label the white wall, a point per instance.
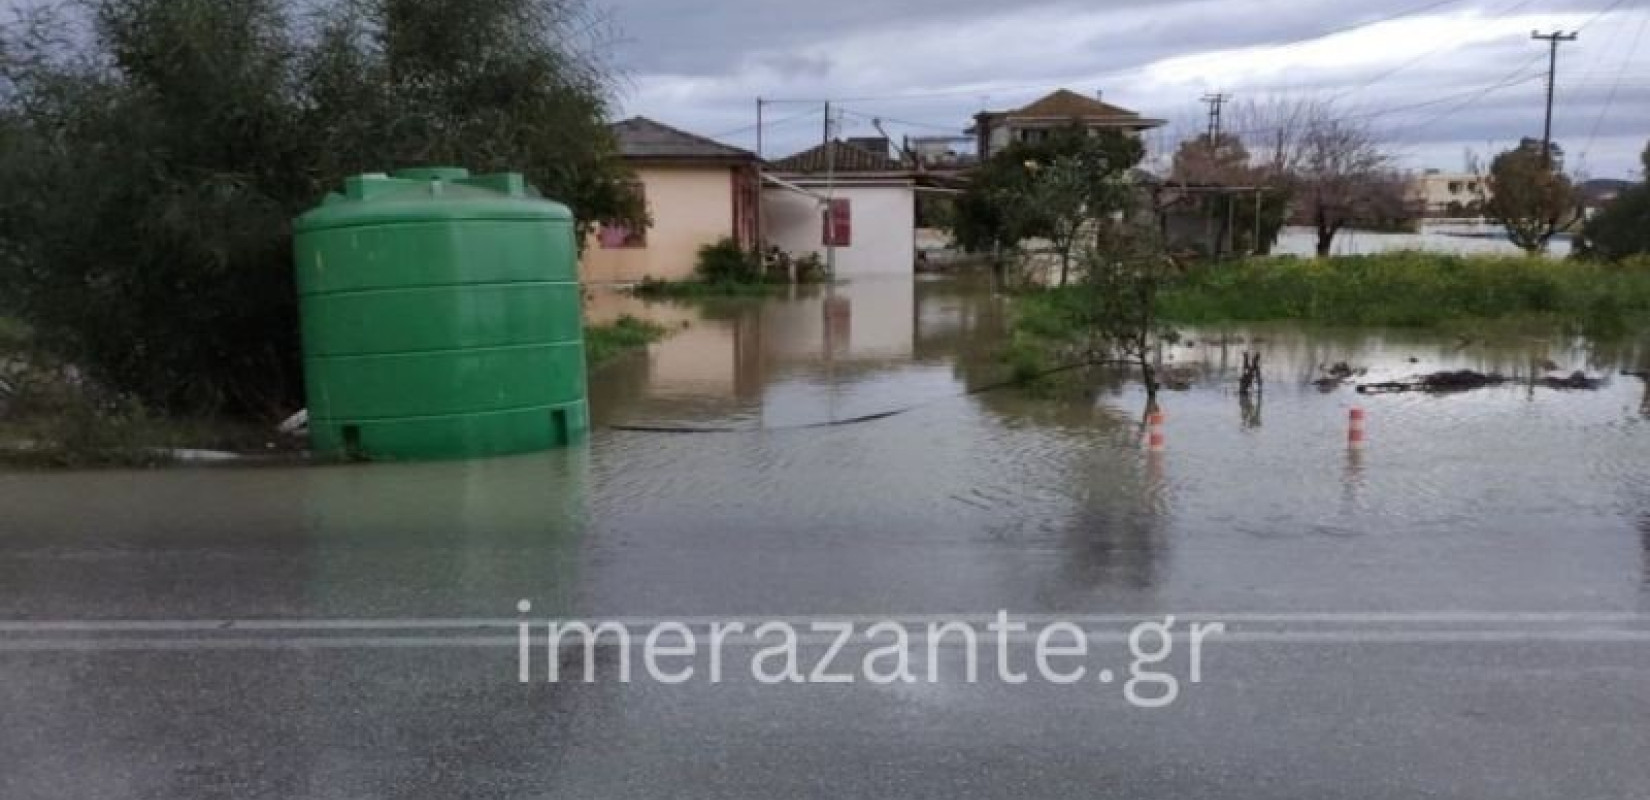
(884, 227)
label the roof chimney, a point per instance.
(1100, 94)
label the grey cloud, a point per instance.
(951, 58)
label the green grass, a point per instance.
(603, 343)
(1418, 290)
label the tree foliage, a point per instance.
(1227, 163)
(1126, 272)
(155, 152)
(1530, 195)
(1047, 189)
(1622, 228)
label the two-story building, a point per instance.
(1436, 193)
(995, 130)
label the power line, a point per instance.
(979, 90)
(898, 121)
(765, 125)
(1611, 98)
(1471, 96)
(1381, 21)
(1514, 79)
(1512, 9)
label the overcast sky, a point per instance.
(1467, 71)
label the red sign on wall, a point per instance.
(839, 223)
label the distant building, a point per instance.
(995, 130)
(697, 191)
(1436, 193)
(942, 152)
(872, 144)
(863, 203)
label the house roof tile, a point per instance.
(1067, 103)
(847, 159)
(642, 138)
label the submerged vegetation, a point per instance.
(727, 269)
(1417, 289)
(603, 343)
(1055, 326)
(53, 415)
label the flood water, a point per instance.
(1508, 499)
(1500, 498)
(1460, 238)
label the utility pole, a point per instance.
(759, 129)
(1553, 40)
(1215, 102)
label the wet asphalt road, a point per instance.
(1525, 720)
(330, 649)
(1463, 611)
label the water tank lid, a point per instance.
(431, 194)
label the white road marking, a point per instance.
(802, 621)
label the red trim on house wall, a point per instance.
(747, 206)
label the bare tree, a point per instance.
(1344, 176)
(1333, 165)
(1273, 130)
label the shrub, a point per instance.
(727, 262)
(1623, 228)
(155, 151)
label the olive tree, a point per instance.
(1126, 272)
(1530, 196)
(1051, 189)
(157, 150)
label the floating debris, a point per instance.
(1466, 379)
(1576, 380)
(1336, 374)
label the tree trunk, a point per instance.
(1148, 376)
(1065, 263)
(1326, 234)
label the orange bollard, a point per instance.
(1154, 432)
(1355, 430)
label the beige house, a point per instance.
(995, 130)
(697, 191)
(1449, 194)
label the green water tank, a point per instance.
(441, 318)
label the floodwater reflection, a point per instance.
(967, 500)
(1045, 498)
